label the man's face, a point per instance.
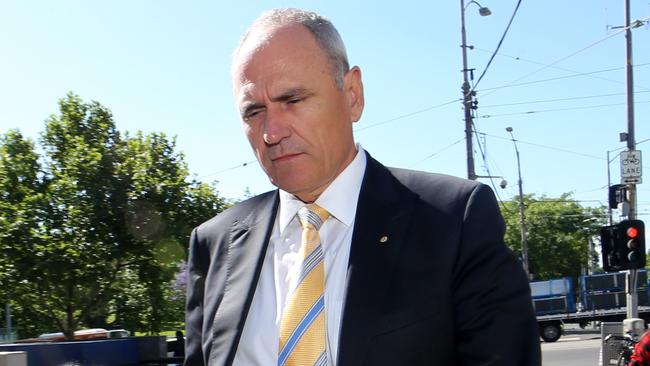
(297, 120)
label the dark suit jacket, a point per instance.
(442, 290)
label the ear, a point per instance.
(353, 88)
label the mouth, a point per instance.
(285, 157)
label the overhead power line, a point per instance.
(513, 84)
(576, 73)
(558, 99)
(439, 151)
(643, 141)
(567, 56)
(496, 50)
(548, 147)
(245, 164)
(487, 168)
(558, 110)
(407, 115)
(242, 165)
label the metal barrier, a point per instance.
(609, 351)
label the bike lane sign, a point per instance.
(631, 167)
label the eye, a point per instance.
(251, 114)
(294, 100)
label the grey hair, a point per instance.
(326, 35)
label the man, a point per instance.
(403, 267)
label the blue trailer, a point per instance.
(602, 297)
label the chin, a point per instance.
(290, 185)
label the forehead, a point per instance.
(264, 36)
(287, 51)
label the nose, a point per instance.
(276, 126)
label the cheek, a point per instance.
(251, 135)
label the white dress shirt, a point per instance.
(259, 342)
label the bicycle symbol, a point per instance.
(631, 159)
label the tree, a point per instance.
(21, 215)
(18, 186)
(558, 234)
(97, 216)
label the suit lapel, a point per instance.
(382, 217)
(246, 250)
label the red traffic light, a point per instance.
(623, 245)
(632, 232)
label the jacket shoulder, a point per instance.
(436, 187)
(240, 212)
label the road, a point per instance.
(571, 351)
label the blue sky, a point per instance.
(558, 80)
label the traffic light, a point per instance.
(623, 245)
(633, 232)
(608, 244)
(617, 194)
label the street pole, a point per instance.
(522, 214)
(632, 300)
(8, 320)
(609, 184)
(631, 142)
(590, 262)
(467, 98)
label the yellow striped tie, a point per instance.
(302, 328)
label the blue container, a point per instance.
(553, 296)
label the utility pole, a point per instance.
(631, 142)
(468, 93)
(632, 299)
(467, 97)
(522, 213)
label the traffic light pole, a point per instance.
(632, 299)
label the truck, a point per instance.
(600, 298)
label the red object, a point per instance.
(641, 354)
(632, 232)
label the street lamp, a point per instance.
(467, 92)
(522, 216)
(482, 10)
(503, 184)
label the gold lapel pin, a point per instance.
(383, 239)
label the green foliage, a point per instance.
(558, 234)
(18, 168)
(94, 229)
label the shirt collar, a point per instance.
(339, 198)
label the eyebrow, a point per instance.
(247, 107)
(292, 93)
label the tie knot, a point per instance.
(313, 215)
